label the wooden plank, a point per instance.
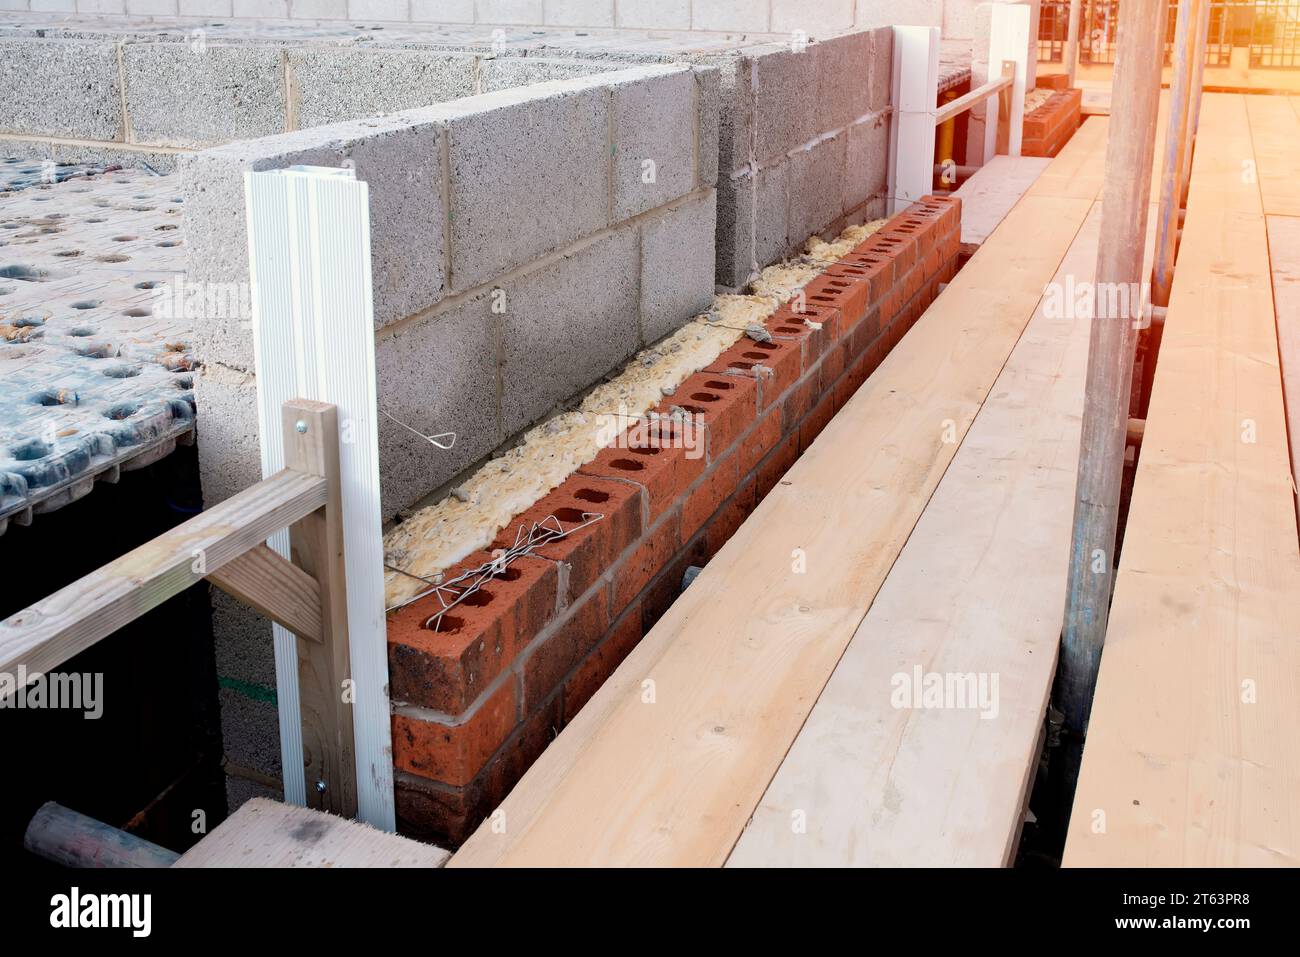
(1275, 130)
(1284, 257)
(74, 618)
(278, 589)
(1190, 757)
(955, 108)
(988, 196)
(311, 444)
(1077, 170)
(670, 757)
(979, 590)
(266, 833)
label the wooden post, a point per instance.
(1135, 97)
(1175, 154)
(311, 445)
(1072, 42)
(1009, 50)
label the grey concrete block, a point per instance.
(192, 96)
(843, 79)
(567, 323)
(437, 374)
(752, 224)
(727, 242)
(78, 152)
(654, 125)
(529, 174)
(786, 111)
(239, 791)
(65, 88)
(398, 156)
(708, 103)
(866, 167)
(243, 647)
(229, 451)
(332, 84)
(735, 114)
(250, 731)
(504, 73)
(677, 250)
(881, 73)
(816, 188)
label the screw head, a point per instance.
(300, 426)
(320, 787)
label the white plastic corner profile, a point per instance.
(1008, 41)
(313, 338)
(915, 99)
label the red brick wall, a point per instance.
(478, 700)
(1048, 128)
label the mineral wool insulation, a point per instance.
(440, 535)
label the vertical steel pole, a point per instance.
(1135, 98)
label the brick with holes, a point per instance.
(814, 327)
(585, 554)
(724, 405)
(782, 359)
(660, 467)
(844, 290)
(444, 663)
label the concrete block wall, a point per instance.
(727, 16)
(804, 145)
(478, 697)
(158, 97)
(519, 255)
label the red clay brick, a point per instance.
(448, 815)
(777, 464)
(932, 261)
(720, 480)
(847, 288)
(763, 438)
(832, 367)
(663, 472)
(476, 640)
(901, 248)
(731, 516)
(1052, 81)
(783, 357)
(788, 324)
(667, 585)
(891, 304)
(454, 754)
(912, 282)
(548, 663)
(724, 405)
(812, 426)
(798, 402)
(590, 551)
(653, 552)
(623, 636)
